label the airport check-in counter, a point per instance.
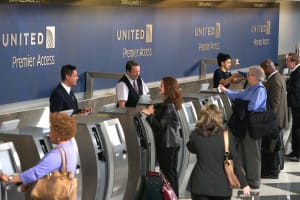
(186, 160)
(31, 144)
(210, 96)
(103, 158)
(140, 145)
(223, 102)
(9, 164)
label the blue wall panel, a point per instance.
(165, 41)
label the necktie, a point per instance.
(72, 95)
(135, 86)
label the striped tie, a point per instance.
(135, 86)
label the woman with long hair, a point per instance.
(208, 179)
(165, 125)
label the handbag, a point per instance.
(158, 187)
(232, 179)
(57, 185)
(167, 190)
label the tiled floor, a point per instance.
(287, 187)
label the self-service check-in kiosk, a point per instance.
(140, 146)
(210, 96)
(186, 160)
(31, 144)
(9, 164)
(103, 158)
(221, 100)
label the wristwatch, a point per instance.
(10, 178)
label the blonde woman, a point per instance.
(208, 179)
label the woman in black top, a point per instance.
(222, 75)
(208, 179)
(165, 126)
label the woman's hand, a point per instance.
(246, 191)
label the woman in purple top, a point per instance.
(62, 130)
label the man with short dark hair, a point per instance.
(130, 87)
(276, 92)
(62, 97)
(293, 96)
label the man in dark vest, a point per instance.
(130, 87)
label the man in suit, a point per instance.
(62, 97)
(130, 87)
(276, 102)
(293, 96)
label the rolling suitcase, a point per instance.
(158, 187)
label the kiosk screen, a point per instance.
(114, 134)
(9, 125)
(190, 112)
(7, 158)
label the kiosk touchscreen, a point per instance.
(190, 113)
(103, 158)
(9, 125)
(217, 100)
(221, 100)
(209, 96)
(198, 100)
(114, 133)
(9, 164)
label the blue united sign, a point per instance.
(37, 40)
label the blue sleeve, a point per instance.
(258, 100)
(49, 163)
(256, 95)
(235, 94)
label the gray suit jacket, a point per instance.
(277, 99)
